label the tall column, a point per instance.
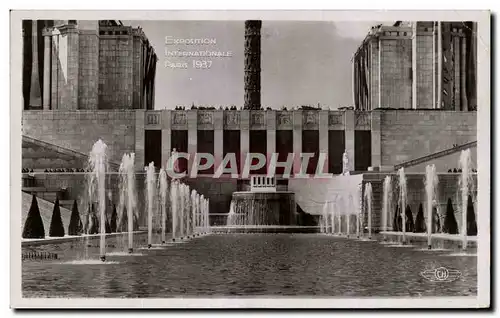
(35, 89)
(297, 140)
(192, 121)
(350, 126)
(323, 137)
(271, 135)
(218, 118)
(439, 65)
(433, 64)
(456, 71)
(252, 64)
(244, 137)
(46, 69)
(166, 139)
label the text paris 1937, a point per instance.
(196, 64)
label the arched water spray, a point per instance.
(386, 202)
(150, 192)
(464, 183)
(402, 200)
(98, 165)
(431, 183)
(368, 200)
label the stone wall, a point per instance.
(424, 65)
(36, 156)
(89, 69)
(395, 77)
(79, 130)
(410, 134)
(116, 69)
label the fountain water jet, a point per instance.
(201, 213)
(98, 163)
(369, 198)
(182, 206)
(324, 223)
(193, 212)
(163, 203)
(348, 215)
(386, 202)
(402, 200)
(431, 182)
(332, 220)
(174, 199)
(150, 191)
(464, 184)
(339, 219)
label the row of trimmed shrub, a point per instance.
(450, 224)
(33, 226)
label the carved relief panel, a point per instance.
(310, 120)
(232, 120)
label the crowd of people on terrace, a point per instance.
(233, 107)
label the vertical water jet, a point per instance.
(402, 200)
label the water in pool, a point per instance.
(247, 265)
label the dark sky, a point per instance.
(303, 63)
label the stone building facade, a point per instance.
(86, 65)
(381, 138)
(90, 80)
(417, 65)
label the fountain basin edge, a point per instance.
(64, 239)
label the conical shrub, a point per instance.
(56, 225)
(409, 226)
(113, 220)
(92, 222)
(450, 223)
(107, 227)
(33, 226)
(136, 223)
(471, 218)
(123, 226)
(420, 220)
(75, 224)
